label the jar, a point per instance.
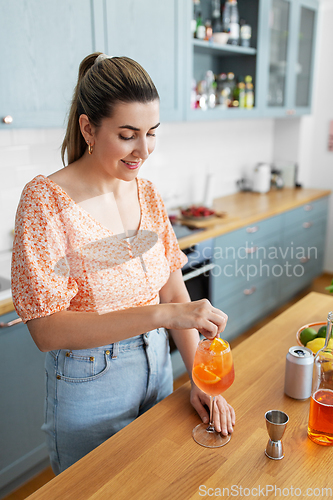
(320, 426)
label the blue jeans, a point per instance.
(93, 393)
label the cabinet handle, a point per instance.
(11, 323)
(251, 250)
(308, 208)
(290, 112)
(7, 119)
(252, 229)
(304, 260)
(250, 291)
(306, 225)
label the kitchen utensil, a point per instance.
(262, 178)
(276, 422)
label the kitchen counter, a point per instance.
(156, 457)
(245, 208)
(242, 208)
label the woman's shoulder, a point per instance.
(41, 191)
(149, 191)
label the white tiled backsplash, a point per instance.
(184, 154)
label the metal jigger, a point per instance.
(276, 422)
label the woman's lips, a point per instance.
(132, 165)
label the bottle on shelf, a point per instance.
(216, 16)
(209, 29)
(249, 92)
(239, 94)
(234, 23)
(200, 31)
(245, 33)
(226, 17)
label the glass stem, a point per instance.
(210, 427)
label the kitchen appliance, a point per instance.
(262, 178)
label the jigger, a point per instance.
(276, 422)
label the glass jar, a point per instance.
(320, 426)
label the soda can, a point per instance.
(298, 375)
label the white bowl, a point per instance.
(221, 38)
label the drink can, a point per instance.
(298, 375)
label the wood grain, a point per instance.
(246, 208)
(156, 457)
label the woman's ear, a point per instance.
(87, 130)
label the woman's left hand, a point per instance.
(223, 414)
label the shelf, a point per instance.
(226, 50)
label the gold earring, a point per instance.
(90, 148)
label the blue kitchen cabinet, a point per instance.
(261, 266)
(286, 62)
(43, 43)
(303, 244)
(22, 396)
(152, 33)
(280, 59)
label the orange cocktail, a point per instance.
(213, 372)
(213, 368)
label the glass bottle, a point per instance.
(234, 23)
(320, 426)
(249, 93)
(216, 16)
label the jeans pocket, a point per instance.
(83, 366)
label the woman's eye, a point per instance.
(126, 138)
(151, 135)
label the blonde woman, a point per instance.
(96, 270)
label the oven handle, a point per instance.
(198, 272)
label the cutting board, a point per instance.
(218, 218)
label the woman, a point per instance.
(96, 270)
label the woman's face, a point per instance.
(123, 142)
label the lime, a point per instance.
(307, 334)
(322, 332)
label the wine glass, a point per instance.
(213, 372)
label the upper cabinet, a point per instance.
(279, 59)
(43, 43)
(152, 33)
(288, 56)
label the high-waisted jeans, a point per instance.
(93, 393)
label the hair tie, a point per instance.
(101, 57)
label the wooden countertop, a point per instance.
(156, 458)
(245, 208)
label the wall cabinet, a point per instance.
(259, 267)
(44, 43)
(280, 59)
(151, 33)
(22, 398)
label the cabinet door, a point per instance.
(22, 397)
(43, 44)
(287, 56)
(150, 32)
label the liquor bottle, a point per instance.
(249, 93)
(234, 23)
(320, 426)
(226, 17)
(245, 33)
(216, 16)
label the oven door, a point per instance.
(196, 278)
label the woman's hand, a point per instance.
(223, 414)
(200, 314)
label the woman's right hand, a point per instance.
(199, 314)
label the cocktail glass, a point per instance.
(213, 372)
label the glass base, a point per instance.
(208, 438)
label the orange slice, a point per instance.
(218, 345)
(204, 375)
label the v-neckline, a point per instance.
(73, 202)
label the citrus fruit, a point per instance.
(307, 335)
(218, 345)
(322, 332)
(204, 375)
(316, 344)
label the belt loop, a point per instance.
(115, 350)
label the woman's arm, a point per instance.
(83, 330)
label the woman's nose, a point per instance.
(142, 150)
